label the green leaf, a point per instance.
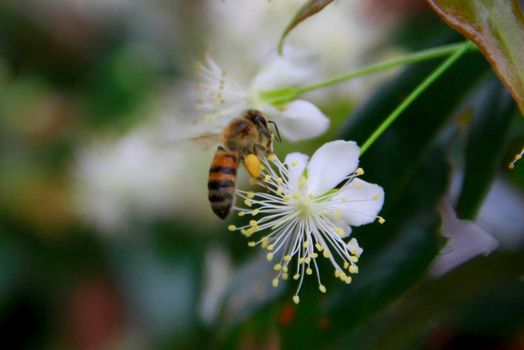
(309, 9)
(457, 292)
(485, 148)
(497, 27)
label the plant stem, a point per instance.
(458, 51)
(423, 55)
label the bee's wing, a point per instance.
(204, 141)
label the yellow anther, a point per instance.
(241, 213)
(269, 256)
(253, 166)
(279, 191)
(271, 157)
(279, 180)
(294, 163)
(322, 288)
(296, 196)
(302, 181)
(360, 172)
(275, 282)
(284, 268)
(277, 267)
(318, 246)
(287, 257)
(248, 203)
(231, 227)
(270, 247)
(346, 264)
(296, 299)
(337, 273)
(353, 269)
(255, 212)
(253, 181)
(326, 254)
(264, 243)
(243, 231)
(307, 260)
(267, 178)
(251, 244)
(300, 261)
(253, 223)
(353, 259)
(381, 220)
(339, 231)
(285, 276)
(305, 244)
(309, 271)
(286, 198)
(314, 255)
(251, 195)
(296, 276)
(348, 280)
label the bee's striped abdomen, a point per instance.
(221, 181)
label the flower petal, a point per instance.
(294, 67)
(331, 164)
(359, 203)
(301, 120)
(296, 163)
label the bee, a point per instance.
(243, 140)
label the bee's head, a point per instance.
(262, 123)
(257, 118)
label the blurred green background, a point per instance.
(107, 242)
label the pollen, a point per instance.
(353, 269)
(255, 212)
(275, 282)
(251, 244)
(319, 247)
(296, 299)
(381, 220)
(309, 271)
(305, 244)
(280, 190)
(267, 178)
(359, 172)
(326, 254)
(277, 267)
(322, 288)
(241, 213)
(251, 195)
(271, 157)
(279, 180)
(285, 276)
(286, 198)
(232, 228)
(296, 276)
(287, 258)
(253, 166)
(269, 256)
(248, 203)
(270, 247)
(253, 223)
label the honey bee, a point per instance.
(243, 140)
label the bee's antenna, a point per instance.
(277, 134)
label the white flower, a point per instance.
(309, 210)
(224, 99)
